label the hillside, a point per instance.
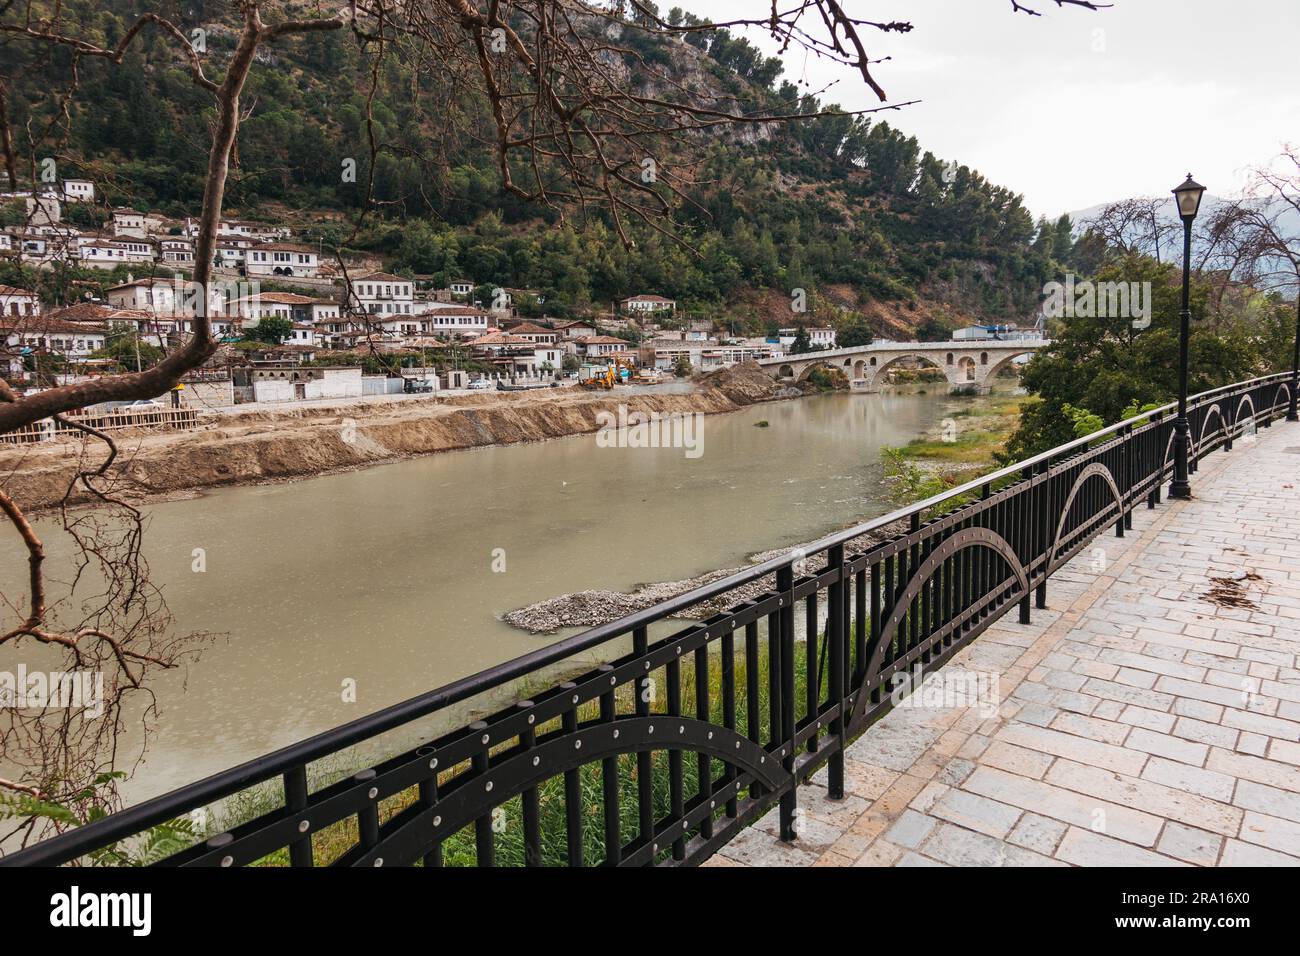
(848, 209)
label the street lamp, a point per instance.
(1188, 197)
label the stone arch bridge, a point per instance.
(967, 365)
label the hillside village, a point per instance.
(281, 306)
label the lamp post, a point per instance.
(1291, 415)
(1188, 197)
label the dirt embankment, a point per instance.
(301, 442)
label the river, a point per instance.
(390, 576)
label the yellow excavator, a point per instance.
(605, 377)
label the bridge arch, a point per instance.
(878, 375)
(1002, 362)
(785, 371)
(810, 366)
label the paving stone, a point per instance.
(880, 853)
(1181, 776)
(957, 847)
(1124, 694)
(1268, 800)
(1156, 665)
(1152, 798)
(1261, 724)
(1065, 805)
(955, 771)
(1190, 844)
(928, 796)
(1225, 696)
(1254, 744)
(1271, 832)
(1106, 731)
(976, 813)
(1200, 709)
(756, 847)
(1144, 717)
(1073, 748)
(1109, 710)
(1236, 853)
(1270, 772)
(862, 779)
(1040, 834)
(1027, 763)
(1284, 750)
(1189, 728)
(1085, 848)
(910, 830)
(1040, 715)
(1163, 745)
(894, 744)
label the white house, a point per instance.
(648, 303)
(315, 311)
(255, 231)
(546, 357)
(302, 334)
(230, 251)
(817, 338)
(165, 296)
(72, 339)
(98, 253)
(461, 287)
(600, 346)
(281, 259)
(575, 329)
(535, 333)
(78, 190)
(40, 249)
(177, 249)
(15, 301)
(456, 321)
(129, 222)
(263, 305)
(379, 293)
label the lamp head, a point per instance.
(1188, 197)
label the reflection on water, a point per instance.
(386, 576)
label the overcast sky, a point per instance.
(1076, 108)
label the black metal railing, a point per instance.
(704, 711)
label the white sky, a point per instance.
(1076, 108)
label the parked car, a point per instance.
(413, 385)
(481, 383)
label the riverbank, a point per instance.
(293, 443)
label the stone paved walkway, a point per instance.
(1150, 717)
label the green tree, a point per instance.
(270, 329)
(1100, 365)
(855, 332)
(128, 350)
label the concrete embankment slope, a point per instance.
(297, 443)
